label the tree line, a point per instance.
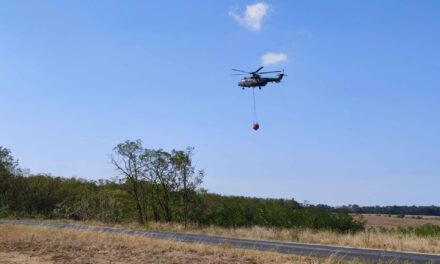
(388, 210)
(154, 185)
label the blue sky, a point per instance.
(356, 120)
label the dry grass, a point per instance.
(371, 238)
(396, 221)
(26, 244)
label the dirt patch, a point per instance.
(17, 257)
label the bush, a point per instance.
(427, 230)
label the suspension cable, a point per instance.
(255, 107)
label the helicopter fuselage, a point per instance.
(257, 81)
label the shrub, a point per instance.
(427, 230)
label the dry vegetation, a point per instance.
(371, 238)
(25, 244)
(396, 221)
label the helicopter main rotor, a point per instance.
(255, 74)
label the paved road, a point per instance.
(281, 247)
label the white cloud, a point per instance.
(253, 16)
(273, 58)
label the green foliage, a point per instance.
(236, 211)
(7, 162)
(426, 230)
(162, 184)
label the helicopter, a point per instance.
(254, 78)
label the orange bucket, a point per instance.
(255, 126)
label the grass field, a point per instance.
(372, 237)
(390, 221)
(25, 244)
(37, 245)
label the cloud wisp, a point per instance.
(253, 16)
(271, 58)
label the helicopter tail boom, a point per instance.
(276, 79)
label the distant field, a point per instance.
(396, 221)
(37, 245)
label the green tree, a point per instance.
(8, 170)
(188, 179)
(7, 162)
(128, 160)
(163, 178)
